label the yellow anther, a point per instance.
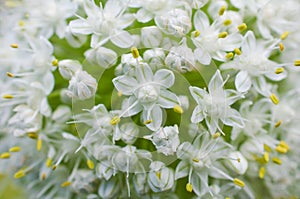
(66, 184)
(238, 182)
(189, 187)
(278, 123)
(229, 55)
(90, 164)
(115, 120)
(196, 33)
(274, 99)
(297, 63)
(135, 52)
(120, 93)
(276, 161)
(284, 35)
(281, 46)
(222, 10)
(227, 198)
(261, 173)
(239, 160)
(21, 23)
(158, 174)
(216, 135)
(266, 157)
(14, 45)
(48, 162)
(281, 149)
(196, 160)
(5, 155)
(33, 135)
(237, 51)
(39, 144)
(223, 35)
(19, 174)
(54, 167)
(267, 148)
(279, 70)
(178, 109)
(55, 62)
(8, 96)
(147, 121)
(44, 176)
(242, 27)
(284, 145)
(15, 149)
(9, 74)
(227, 22)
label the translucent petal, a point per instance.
(125, 84)
(182, 170)
(164, 77)
(243, 81)
(122, 39)
(80, 26)
(155, 115)
(201, 21)
(202, 56)
(197, 115)
(167, 99)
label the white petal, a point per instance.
(133, 110)
(80, 26)
(216, 82)
(67, 68)
(144, 73)
(201, 21)
(167, 99)
(234, 118)
(240, 166)
(143, 15)
(106, 57)
(164, 77)
(243, 81)
(249, 43)
(155, 115)
(197, 115)
(125, 84)
(202, 56)
(122, 39)
(198, 94)
(151, 36)
(231, 42)
(196, 183)
(182, 170)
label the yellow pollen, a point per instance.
(279, 70)
(48, 162)
(267, 148)
(227, 22)
(189, 187)
(147, 121)
(223, 35)
(15, 149)
(297, 63)
(237, 51)
(266, 157)
(178, 109)
(32, 135)
(120, 93)
(229, 55)
(158, 174)
(21, 23)
(8, 96)
(135, 53)
(44, 176)
(55, 62)
(54, 167)
(90, 164)
(115, 120)
(39, 144)
(19, 174)
(9, 74)
(276, 161)
(281, 47)
(261, 173)
(281, 149)
(239, 160)
(196, 160)
(5, 155)
(222, 10)
(284, 145)
(284, 35)
(238, 182)
(278, 123)
(274, 99)
(242, 27)
(196, 33)
(14, 45)
(216, 135)
(66, 184)
(227, 198)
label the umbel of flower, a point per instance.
(147, 92)
(214, 105)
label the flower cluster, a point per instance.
(154, 98)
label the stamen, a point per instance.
(237, 51)
(9, 74)
(281, 149)
(262, 172)
(284, 145)
(14, 45)
(227, 22)
(284, 35)
(48, 162)
(55, 62)
(44, 176)
(278, 124)
(222, 10)
(8, 96)
(32, 135)
(279, 70)
(90, 164)
(54, 167)
(39, 144)
(147, 121)
(216, 135)
(196, 160)
(178, 109)
(66, 184)
(266, 157)
(196, 33)
(223, 35)
(15, 149)
(227, 198)
(238, 182)
(115, 120)
(281, 47)
(242, 27)
(135, 53)
(120, 93)
(274, 99)
(276, 160)
(19, 174)
(267, 148)
(158, 174)
(229, 55)
(189, 187)
(297, 63)
(21, 23)
(5, 155)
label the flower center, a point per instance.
(147, 94)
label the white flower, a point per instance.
(214, 105)
(68, 68)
